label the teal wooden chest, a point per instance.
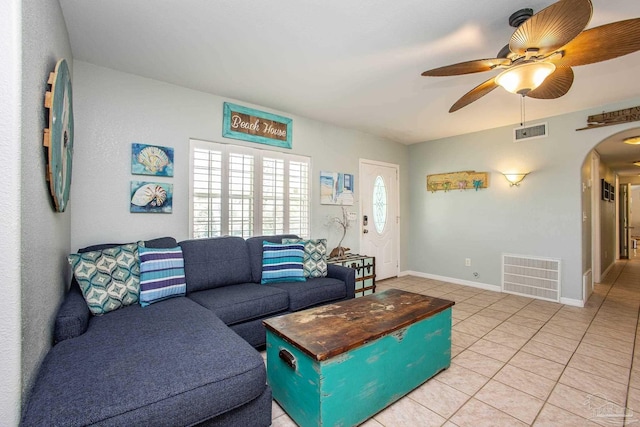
(339, 364)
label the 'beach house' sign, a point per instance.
(252, 125)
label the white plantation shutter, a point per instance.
(242, 191)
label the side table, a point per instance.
(365, 267)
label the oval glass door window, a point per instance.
(379, 204)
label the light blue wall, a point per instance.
(45, 235)
(542, 217)
(114, 109)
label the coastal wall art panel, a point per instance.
(252, 125)
(151, 197)
(336, 188)
(151, 160)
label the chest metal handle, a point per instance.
(288, 358)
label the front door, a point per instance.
(380, 220)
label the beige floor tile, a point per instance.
(571, 332)
(598, 367)
(484, 321)
(576, 401)
(462, 339)
(478, 363)
(505, 307)
(462, 379)
(494, 314)
(371, 422)
(605, 354)
(593, 384)
(534, 313)
(493, 350)
(508, 340)
(472, 328)
(612, 333)
(470, 308)
(556, 341)
(514, 402)
(548, 352)
(538, 365)
(405, 413)
(276, 410)
(525, 381)
(526, 321)
(634, 379)
(515, 329)
(552, 416)
(456, 350)
(633, 404)
(608, 342)
(283, 421)
(478, 414)
(442, 399)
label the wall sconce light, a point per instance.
(634, 140)
(637, 163)
(515, 178)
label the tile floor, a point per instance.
(518, 361)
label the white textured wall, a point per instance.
(10, 70)
(115, 109)
(45, 234)
(542, 217)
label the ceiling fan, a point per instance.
(538, 59)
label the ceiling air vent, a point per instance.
(536, 131)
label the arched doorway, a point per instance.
(610, 173)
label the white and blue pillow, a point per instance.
(282, 262)
(315, 256)
(161, 274)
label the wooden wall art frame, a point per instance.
(464, 180)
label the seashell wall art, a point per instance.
(151, 160)
(151, 197)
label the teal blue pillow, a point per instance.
(161, 274)
(109, 279)
(282, 262)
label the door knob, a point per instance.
(365, 231)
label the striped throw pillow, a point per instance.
(282, 262)
(161, 274)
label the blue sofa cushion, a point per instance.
(73, 315)
(240, 303)
(161, 274)
(313, 292)
(172, 363)
(255, 252)
(282, 262)
(109, 278)
(215, 262)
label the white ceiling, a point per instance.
(352, 63)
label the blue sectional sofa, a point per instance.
(184, 361)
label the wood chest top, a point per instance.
(332, 329)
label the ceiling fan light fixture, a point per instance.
(637, 163)
(633, 140)
(525, 77)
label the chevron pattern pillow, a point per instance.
(161, 274)
(282, 262)
(109, 279)
(315, 256)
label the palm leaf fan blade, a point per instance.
(474, 94)
(602, 43)
(552, 27)
(554, 86)
(467, 67)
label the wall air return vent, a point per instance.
(539, 130)
(531, 276)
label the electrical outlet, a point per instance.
(476, 275)
(467, 262)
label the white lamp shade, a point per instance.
(525, 77)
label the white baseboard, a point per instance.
(454, 280)
(485, 286)
(572, 302)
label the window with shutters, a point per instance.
(241, 191)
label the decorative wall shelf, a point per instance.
(464, 180)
